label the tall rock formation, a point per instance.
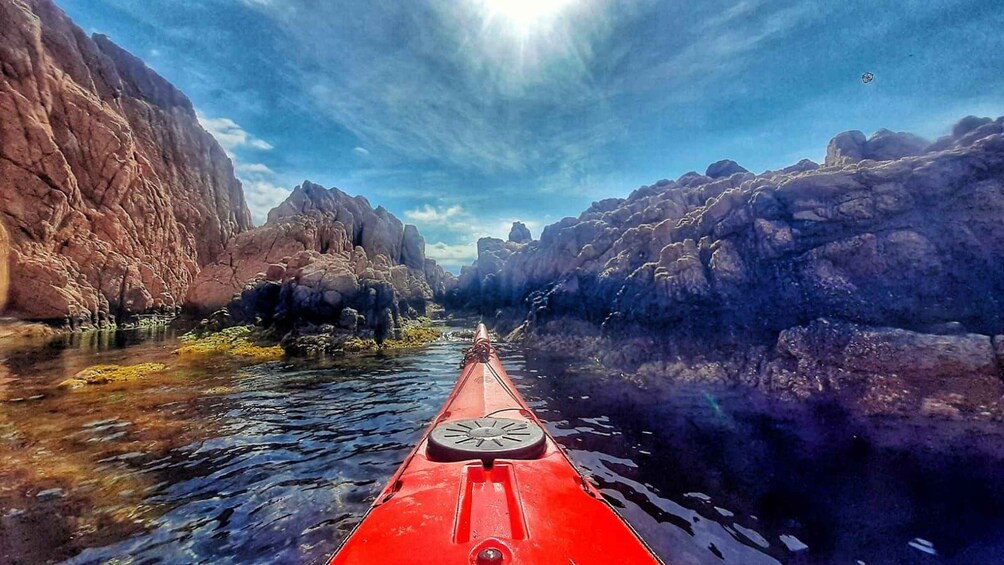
(323, 253)
(113, 196)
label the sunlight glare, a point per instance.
(525, 14)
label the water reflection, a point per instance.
(712, 476)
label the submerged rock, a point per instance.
(240, 341)
(885, 351)
(50, 494)
(105, 374)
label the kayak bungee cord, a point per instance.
(481, 352)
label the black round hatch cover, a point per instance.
(487, 439)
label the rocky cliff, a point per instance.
(323, 258)
(890, 230)
(890, 234)
(113, 196)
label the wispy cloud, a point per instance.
(456, 231)
(262, 190)
(448, 83)
(428, 214)
(231, 135)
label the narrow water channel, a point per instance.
(219, 461)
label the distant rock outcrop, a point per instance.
(851, 147)
(323, 253)
(519, 233)
(113, 196)
(724, 168)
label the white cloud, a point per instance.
(230, 134)
(462, 230)
(457, 220)
(452, 256)
(253, 169)
(456, 88)
(360, 152)
(430, 215)
(262, 196)
(262, 190)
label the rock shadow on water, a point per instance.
(711, 473)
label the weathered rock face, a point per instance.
(113, 196)
(882, 351)
(4, 259)
(851, 147)
(376, 230)
(321, 254)
(906, 243)
(890, 370)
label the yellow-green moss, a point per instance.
(354, 344)
(238, 341)
(412, 335)
(104, 374)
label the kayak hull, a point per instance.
(537, 510)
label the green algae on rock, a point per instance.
(238, 341)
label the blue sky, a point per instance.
(461, 116)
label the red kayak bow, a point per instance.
(487, 485)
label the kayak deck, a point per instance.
(533, 508)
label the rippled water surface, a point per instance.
(222, 462)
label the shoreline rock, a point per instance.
(872, 370)
(912, 240)
(238, 341)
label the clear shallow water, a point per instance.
(219, 462)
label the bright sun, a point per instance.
(525, 14)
